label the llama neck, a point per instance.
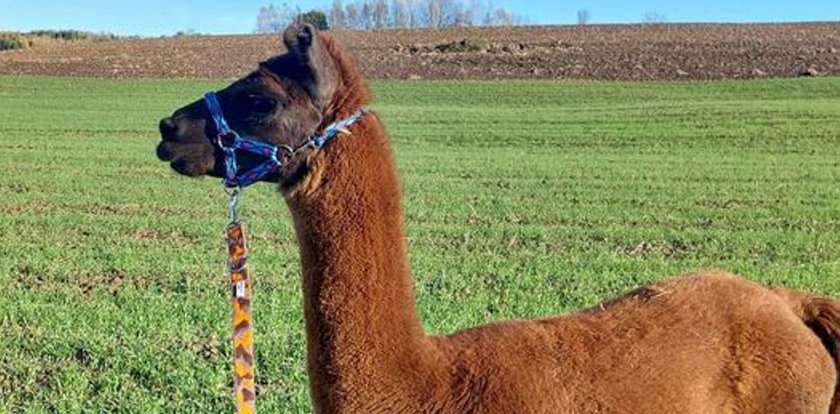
(361, 320)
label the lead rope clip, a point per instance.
(234, 202)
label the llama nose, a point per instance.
(168, 129)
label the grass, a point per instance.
(522, 199)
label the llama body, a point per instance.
(703, 343)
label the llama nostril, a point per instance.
(168, 128)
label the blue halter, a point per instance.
(229, 141)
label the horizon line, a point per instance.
(193, 32)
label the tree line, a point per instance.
(389, 14)
(26, 40)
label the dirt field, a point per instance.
(632, 52)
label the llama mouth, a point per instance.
(185, 162)
(188, 168)
(163, 152)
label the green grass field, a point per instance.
(522, 199)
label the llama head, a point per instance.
(283, 102)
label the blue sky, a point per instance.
(161, 17)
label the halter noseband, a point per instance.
(276, 155)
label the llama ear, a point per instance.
(299, 38)
(317, 72)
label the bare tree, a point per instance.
(366, 15)
(399, 14)
(463, 15)
(337, 18)
(287, 14)
(654, 18)
(413, 10)
(502, 17)
(383, 14)
(518, 20)
(351, 16)
(476, 12)
(487, 18)
(583, 17)
(434, 13)
(268, 20)
(380, 14)
(454, 13)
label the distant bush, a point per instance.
(71, 35)
(12, 41)
(315, 18)
(186, 33)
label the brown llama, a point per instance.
(701, 343)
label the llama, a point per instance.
(700, 343)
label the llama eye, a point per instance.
(261, 104)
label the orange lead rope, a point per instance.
(243, 321)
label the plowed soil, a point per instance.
(625, 52)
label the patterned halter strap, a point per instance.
(230, 141)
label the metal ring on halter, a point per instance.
(222, 137)
(234, 194)
(287, 152)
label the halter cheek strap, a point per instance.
(230, 141)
